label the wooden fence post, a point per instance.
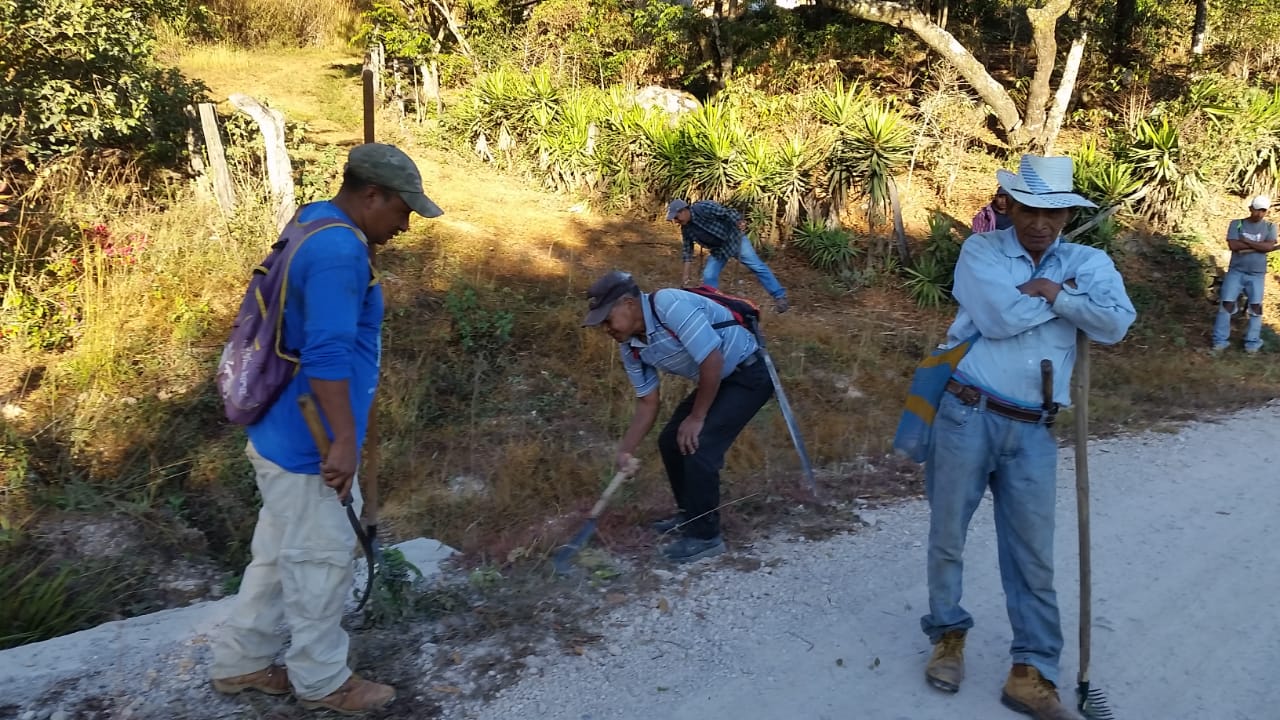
(279, 168)
(222, 188)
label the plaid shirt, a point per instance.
(714, 227)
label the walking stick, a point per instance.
(1091, 702)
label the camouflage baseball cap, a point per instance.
(389, 167)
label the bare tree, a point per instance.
(1028, 128)
(1122, 27)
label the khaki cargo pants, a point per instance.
(299, 578)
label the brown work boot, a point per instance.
(272, 680)
(946, 667)
(1026, 691)
(354, 697)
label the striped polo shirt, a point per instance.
(683, 339)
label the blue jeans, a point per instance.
(973, 448)
(1232, 284)
(748, 257)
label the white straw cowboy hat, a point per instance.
(1043, 182)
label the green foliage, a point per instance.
(41, 601)
(828, 249)
(82, 74)
(480, 331)
(392, 589)
(1156, 152)
(929, 280)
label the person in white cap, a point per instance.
(1023, 294)
(723, 232)
(1250, 239)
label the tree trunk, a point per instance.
(463, 45)
(723, 47)
(1018, 128)
(1044, 23)
(1201, 24)
(1062, 98)
(899, 232)
(905, 15)
(1122, 39)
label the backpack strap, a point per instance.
(658, 319)
(310, 228)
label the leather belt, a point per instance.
(970, 395)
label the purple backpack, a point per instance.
(255, 368)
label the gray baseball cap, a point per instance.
(674, 207)
(389, 167)
(603, 293)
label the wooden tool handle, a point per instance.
(1080, 398)
(311, 414)
(618, 478)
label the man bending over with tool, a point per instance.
(1022, 293)
(697, 338)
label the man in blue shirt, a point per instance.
(300, 574)
(1023, 293)
(723, 232)
(691, 336)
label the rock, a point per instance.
(59, 715)
(671, 102)
(468, 486)
(28, 715)
(615, 650)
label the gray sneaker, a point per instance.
(689, 549)
(666, 525)
(781, 305)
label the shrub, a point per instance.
(82, 74)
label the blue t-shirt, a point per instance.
(333, 320)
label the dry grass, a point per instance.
(287, 23)
(531, 427)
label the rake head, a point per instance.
(1092, 703)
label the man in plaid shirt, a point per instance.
(722, 231)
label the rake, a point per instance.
(1091, 702)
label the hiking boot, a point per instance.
(270, 680)
(781, 305)
(689, 549)
(946, 666)
(1253, 350)
(1026, 691)
(354, 697)
(666, 525)
(1217, 350)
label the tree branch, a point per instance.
(905, 15)
(1066, 86)
(1044, 24)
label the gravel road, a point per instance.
(1185, 585)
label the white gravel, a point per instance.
(1185, 586)
(1185, 527)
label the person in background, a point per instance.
(1250, 239)
(994, 215)
(723, 232)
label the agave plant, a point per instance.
(840, 106)
(878, 148)
(1255, 165)
(794, 165)
(1156, 153)
(713, 141)
(929, 282)
(830, 250)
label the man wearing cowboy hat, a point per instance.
(1023, 293)
(1250, 239)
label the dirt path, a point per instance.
(1184, 585)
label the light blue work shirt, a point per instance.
(1018, 331)
(683, 339)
